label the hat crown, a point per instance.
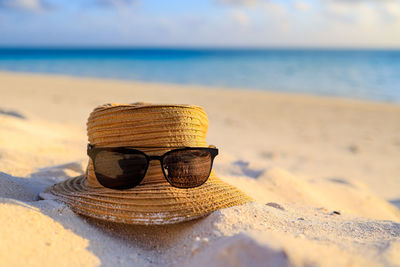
(146, 125)
(141, 124)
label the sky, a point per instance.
(201, 23)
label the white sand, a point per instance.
(300, 157)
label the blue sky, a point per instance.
(222, 23)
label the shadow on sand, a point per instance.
(132, 244)
(12, 113)
(395, 202)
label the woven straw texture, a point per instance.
(154, 201)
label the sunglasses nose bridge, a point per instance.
(159, 158)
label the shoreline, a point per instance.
(202, 87)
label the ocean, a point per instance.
(360, 74)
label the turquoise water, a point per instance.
(365, 74)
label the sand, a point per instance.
(324, 173)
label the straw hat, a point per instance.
(154, 200)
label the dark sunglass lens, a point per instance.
(120, 171)
(187, 168)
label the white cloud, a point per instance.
(240, 18)
(38, 5)
(302, 6)
(348, 23)
(364, 1)
(392, 8)
(31, 5)
(274, 8)
(239, 2)
(363, 11)
(115, 2)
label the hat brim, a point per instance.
(147, 204)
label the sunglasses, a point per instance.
(125, 167)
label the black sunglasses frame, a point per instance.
(93, 150)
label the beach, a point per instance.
(323, 171)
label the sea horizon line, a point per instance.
(195, 48)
